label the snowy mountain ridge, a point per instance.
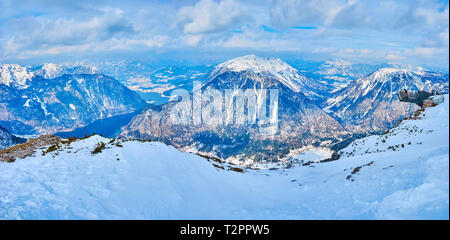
(14, 75)
(281, 70)
(385, 73)
(51, 70)
(256, 64)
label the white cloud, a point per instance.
(208, 16)
(193, 40)
(354, 30)
(44, 33)
(384, 14)
(128, 44)
(423, 51)
(433, 17)
(108, 31)
(288, 13)
(394, 57)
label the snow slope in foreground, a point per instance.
(376, 178)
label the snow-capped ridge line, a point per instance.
(256, 64)
(14, 75)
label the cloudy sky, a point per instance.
(405, 32)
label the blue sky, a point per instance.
(400, 32)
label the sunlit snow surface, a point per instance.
(154, 181)
(314, 155)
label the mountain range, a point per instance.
(300, 121)
(312, 109)
(306, 115)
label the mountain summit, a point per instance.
(283, 71)
(273, 67)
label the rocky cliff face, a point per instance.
(7, 139)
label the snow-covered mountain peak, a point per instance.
(14, 75)
(273, 67)
(397, 78)
(52, 70)
(256, 64)
(385, 74)
(338, 63)
(389, 70)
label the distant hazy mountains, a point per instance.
(50, 98)
(156, 85)
(339, 73)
